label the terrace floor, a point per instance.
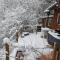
(33, 45)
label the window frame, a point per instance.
(50, 20)
(58, 19)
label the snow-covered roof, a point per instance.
(46, 16)
(52, 5)
(54, 34)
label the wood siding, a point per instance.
(54, 23)
(45, 22)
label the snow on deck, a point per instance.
(33, 40)
(13, 54)
(33, 44)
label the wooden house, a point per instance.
(55, 24)
(55, 8)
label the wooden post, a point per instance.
(17, 35)
(7, 51)
(6, 48)
(56, 50)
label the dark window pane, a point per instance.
(59, 19)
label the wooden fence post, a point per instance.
(6, 48)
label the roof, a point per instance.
(51, 6)
(46, 16)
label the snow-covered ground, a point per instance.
(33, 46)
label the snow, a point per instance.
(54, 34)
(30, 56)
(13, 54)
(33, 46)
(32, 40)
(52, 5)
(6, 40)
(45, 29)
(13, 13)
(46, 16)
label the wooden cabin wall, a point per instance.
(49, 26)
(44, 22)
(54, 23)
(58, 25)
(58, 1)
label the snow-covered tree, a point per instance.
(14, 12)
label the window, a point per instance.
(49, 21)
(58, 20)
(52, 12)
